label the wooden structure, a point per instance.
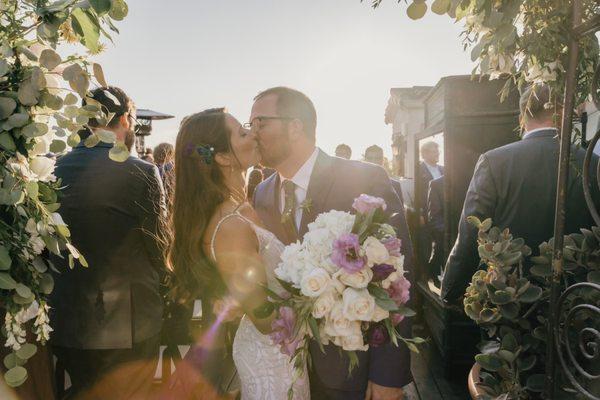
(143, 128)
(469, 115)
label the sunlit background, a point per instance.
(179, 57)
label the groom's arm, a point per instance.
(389, 365)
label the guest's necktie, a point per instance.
(288, 218)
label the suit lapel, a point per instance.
(319, 186)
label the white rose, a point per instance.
(375, 251)
(323, 305)
(380, 314)
(315, 282)
(359, 305)
(354, 343)
(357, 280)
(42, 167)
(338, 325)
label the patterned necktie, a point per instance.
(288, 218)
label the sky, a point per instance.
(182, 56)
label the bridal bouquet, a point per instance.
(344, 284)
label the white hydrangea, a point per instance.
(336, 222)
(294, 264)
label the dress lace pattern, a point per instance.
(265, 373)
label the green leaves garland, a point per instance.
(40, 93)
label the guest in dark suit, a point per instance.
(435, 224)
(428, 170)
(515, 185)
(374, 155)
(285, 123)
(109, 314)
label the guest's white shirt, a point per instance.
(301, 179)
(434, 170)
(539, 129)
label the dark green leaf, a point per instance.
(489, 362)
(536, 383)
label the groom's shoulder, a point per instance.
(358, 169)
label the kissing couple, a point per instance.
(224, 249)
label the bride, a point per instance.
(219, 251)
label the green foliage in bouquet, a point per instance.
(509, 299)
(38, 115)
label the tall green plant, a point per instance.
(39, 113)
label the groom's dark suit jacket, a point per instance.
(334, 184)
(112, 209)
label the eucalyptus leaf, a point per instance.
(47, 283)
(39, 265)
(536, 382)
(106, 136)
(417, 9)
(27, 351)
(489, 362)
(70, 99)
(50, 59)
(7, 142)
(5, 260)
(15, 376)
(101, 6)
(7, 282)
(73, 140)
(441, 7)
(18, 120)
(4, 68)
(91, 140)
(23, 290)
(99, 74)
(119, 152)
(118, 10)
(7, 107)
(58, 146)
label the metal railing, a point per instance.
(575, 363)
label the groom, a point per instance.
(309, 182)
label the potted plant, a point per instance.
(510, 301)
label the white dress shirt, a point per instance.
(301, 180)
(539, 129)
(434, 170)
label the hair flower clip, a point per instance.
(205, 151)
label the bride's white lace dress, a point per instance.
(265, 373)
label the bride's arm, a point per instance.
(242, 269)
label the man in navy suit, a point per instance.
(109, 315)
(515, 185)
(309, 182)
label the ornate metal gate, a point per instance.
(562, 331)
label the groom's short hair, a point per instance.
(295, 104)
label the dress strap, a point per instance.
(225, 218)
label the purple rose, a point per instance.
(283, 331)
(399, 291)
(393, 246)
(346, 253)
(365, 203)
(381, 271)
(396, 319)
(378, 335)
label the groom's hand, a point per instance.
(377, 392)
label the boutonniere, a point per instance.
(306, 205)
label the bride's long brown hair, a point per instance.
(199, 188)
